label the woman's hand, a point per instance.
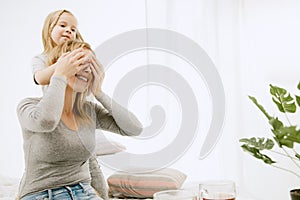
(98, 73)
(70, 63)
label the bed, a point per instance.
(9, 187)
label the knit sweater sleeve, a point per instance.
(43, 114)
(97, 178)
(115, 118)
(38, 62)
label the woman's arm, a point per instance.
(43, 115)
(97, 179)
(115, 118)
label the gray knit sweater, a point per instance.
(56, 155)
(98, 182)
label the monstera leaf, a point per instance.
(254, 146)
(287, 136)
(284, 101)
(258, 143)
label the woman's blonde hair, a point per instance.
(49, 23)
(80, 98)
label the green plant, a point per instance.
(285, 136)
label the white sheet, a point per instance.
(9, 188)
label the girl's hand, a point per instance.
(70, 63)
(98, 73)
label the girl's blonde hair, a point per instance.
(80, 98)
(50, 21)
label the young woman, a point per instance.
(59, 128)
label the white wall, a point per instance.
(21, 40)
(270, 54)
(251, 42)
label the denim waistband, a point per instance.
(52, 192)
(69, 189)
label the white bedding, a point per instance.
(9, 187)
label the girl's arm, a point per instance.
(41, 73)
(42, 76)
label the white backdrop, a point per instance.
(251, 42)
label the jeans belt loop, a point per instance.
(70, 192)
(50, 194)
(82, 187)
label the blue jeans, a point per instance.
(80, 191)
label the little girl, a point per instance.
(59, 27)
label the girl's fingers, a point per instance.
(64, 54)
(77, 54)
(75, 51)
(80, 56)
(72, 54)
(82, 67)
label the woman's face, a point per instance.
(82, 80)
(65, 29)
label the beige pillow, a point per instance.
(105, 147)
(145, 184)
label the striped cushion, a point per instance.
(143, 183)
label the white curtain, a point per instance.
(215, 27)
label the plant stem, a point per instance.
(287, 119)
(290, 171)
(282, 154)
(291, 157)
(295, 152)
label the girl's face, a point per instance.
(65, 29)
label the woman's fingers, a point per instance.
(97, 65)
(94, 71)
(98, 73)
(94, 68)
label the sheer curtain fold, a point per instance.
(213, 25)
